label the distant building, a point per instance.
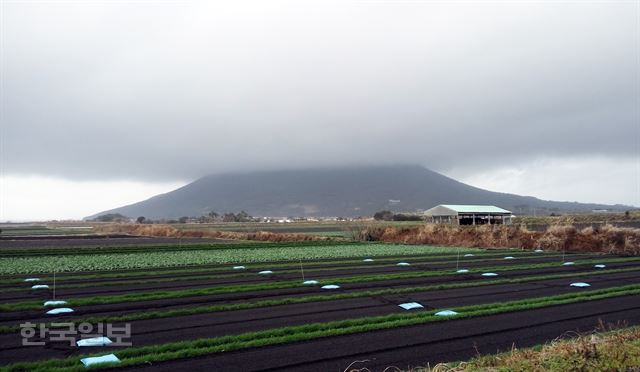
(468, 215)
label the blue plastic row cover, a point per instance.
(60, 310)
(446, 313)
(330, 286)
(411, 305)
(109, 358)
(94, 341)
(580, 284)
(55, 303)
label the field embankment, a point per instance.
(609, 351)
(157, 230)
(607, 239)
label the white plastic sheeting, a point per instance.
(446, 313)
(310, 282)
(403, 264)
(239, 267)
(32, 280)
(330, 286)
(580, 284)
(368, 260)
(265, 272)
(60, 310)
(568, 263)
(600, 266)
(462, 271)
(411, 305)
(109, 358)
(40, 286)
(538, 251)
(489, 274)
(469, 255)
(55, 303)
(509, 258)
(94, 341)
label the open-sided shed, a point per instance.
(468, 214)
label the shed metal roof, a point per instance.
(438, 210)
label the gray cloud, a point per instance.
(172, 90)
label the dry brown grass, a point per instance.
(609, 348)
(606, 239)
(611, 351)
(168, 231)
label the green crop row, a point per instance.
(216, 290)
(192, 310)
(64, 263)
(208, 268)
(178, 245)
(224, 272)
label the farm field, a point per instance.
(245, 306)
(323, 228)
(27, 229)
(15, 241)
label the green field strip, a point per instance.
(274, 264)
(143, 247)
(48, 277)
(293, 267)
(319, 298)
(62, 276)
(284, 335)
(286, 284)
(123, 261)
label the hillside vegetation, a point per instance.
(346, 192)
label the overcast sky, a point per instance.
(106, 103)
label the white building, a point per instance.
(468, 215)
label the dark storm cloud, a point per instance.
(165, 91)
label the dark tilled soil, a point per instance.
(11, 318)
(156, 331)
(418, 345)
(253, 278)
(11, 242)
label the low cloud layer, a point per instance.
(165, 91)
